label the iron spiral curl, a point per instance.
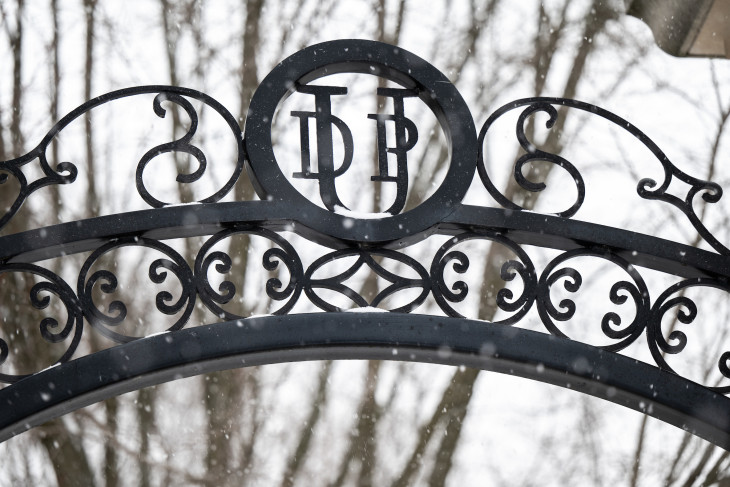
(686, 313)
(66, 172)
(275, 289)
(532, 153)
(180, 145)
(457, 292)
(647, 188)
(51, 330)
(618, 294)
(157, 273)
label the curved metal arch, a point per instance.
(553, 359)
(387, 336)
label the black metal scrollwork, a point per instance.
(509, 270)
(158, 272)
(66, 172)
(532, 154)
(359, 263)
(618, 294)
(50, 329)
(711, 192)
(677, 340)
(227, 290)
(181, 145)
(362, 244)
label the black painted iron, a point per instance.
(374, 244)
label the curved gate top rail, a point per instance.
(350, 243)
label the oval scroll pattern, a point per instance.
(510, 269)
(619, 293)
(188, 284)
(67, 172)
(157, 273)
(275, 290)
(686, 312)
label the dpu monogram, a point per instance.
(329, 140)
(406, 136)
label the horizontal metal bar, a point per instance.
(386, 336)
(566, 234)
(158, 223)
(205, 219)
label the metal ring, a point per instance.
(386, 61)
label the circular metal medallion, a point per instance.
(418, 79)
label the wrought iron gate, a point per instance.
(375, 243)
